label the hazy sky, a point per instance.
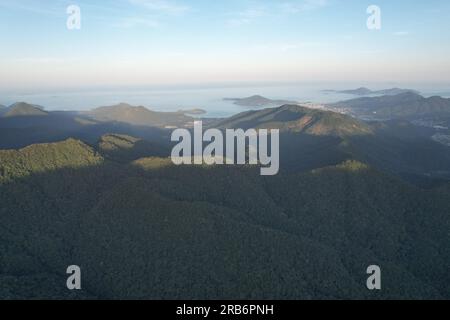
(141, 42)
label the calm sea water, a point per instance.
(209, 99)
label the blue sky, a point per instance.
(145, 42)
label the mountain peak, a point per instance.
(296, 118)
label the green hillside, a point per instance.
(314, 138)
(151, 230)
(42, 158)
(293, 118)
(141, 227)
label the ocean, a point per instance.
(208, 98)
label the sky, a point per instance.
(125, 43)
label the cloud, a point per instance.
(162, 6)
(28, 6)
(299, 6)
(247, 16)
(150, 13)
(293, 7)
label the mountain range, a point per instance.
(237, 235)
(24, 124)
(98, 189)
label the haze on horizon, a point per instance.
(160, 42)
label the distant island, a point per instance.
(366, 92)
(22, 109)
(193, 112)
(139, 115)
(258, 101)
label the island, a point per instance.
(193, 112)
(258, 101)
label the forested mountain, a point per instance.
(312, 138)
(294, 118)
(349, 194)
(140, 116)
(148, 229)
(46, 157)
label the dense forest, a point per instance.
(141, 228)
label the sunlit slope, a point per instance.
(297, 119)
(42, 158)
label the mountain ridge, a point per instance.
(295, 118)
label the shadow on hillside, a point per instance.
(416, 159)
(221, 233)
(20, 132)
